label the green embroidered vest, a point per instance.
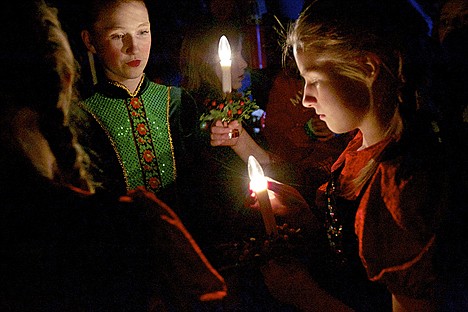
(139, 131)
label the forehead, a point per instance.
(309, 60)
(122, 13)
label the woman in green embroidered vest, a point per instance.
(64, 248)
(131, 127)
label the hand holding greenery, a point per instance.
(238, 107)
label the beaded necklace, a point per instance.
(340, 214)
(333, 221)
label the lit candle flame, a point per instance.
(259, 184)
(224, 52)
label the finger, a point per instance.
(219, 123)
(220, 130)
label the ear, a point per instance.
(86, 37)
(371, 64)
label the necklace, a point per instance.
(333, 224)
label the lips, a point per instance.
(134, 63)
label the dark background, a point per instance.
(170, 19)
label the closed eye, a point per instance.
(117, 36)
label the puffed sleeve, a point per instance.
(187, 272)
(396, 224)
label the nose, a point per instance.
(130, 45)
(308, 99)
(242, 63)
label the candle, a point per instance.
(224, 52)
(259, 184)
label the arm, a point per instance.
(291, 283)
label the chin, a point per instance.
(236, 86)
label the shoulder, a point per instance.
(179, 94)
(80, 116)
(174, 93)
(414, 195)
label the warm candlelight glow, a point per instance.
(224, 52)
(259, 184)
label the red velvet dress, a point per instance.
(397, 217)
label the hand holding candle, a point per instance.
(224, 52)
(259, 185)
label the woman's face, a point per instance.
(339, 101)
(122, 40)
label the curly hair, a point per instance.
(35, 71)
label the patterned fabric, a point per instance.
(144, 144)
(139, 131)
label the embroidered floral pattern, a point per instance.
(145, 147)
(141, 128)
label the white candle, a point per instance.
(224, 52)
(259, 184)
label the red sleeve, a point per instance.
(395, 224)
(191, 274)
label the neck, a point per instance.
(131, 85)
(135, 85)
(374, 131)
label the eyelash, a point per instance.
(312, 82)
(117, 37)
(121, 36)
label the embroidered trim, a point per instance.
(118, 84)
(169, 131)
(144, 144)
(86, 108)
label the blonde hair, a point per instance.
(62, 56)
(41, 80)
(341, 33)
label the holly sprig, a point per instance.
(238, 106)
